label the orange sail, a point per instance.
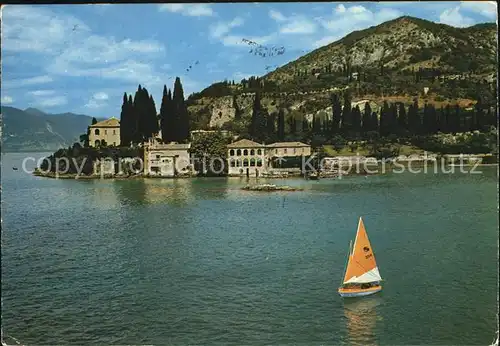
(362, 267)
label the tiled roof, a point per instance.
(245, 143)
(287, 145)
(112, 122)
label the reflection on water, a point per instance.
(362, 317)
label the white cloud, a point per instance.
(42, 92)
(485, 8)
(22, 82)
(299, 26)
(222, 28)
(453, 17)
(100, 96)
(340, 8)
(52, 102)
(192, 10)
(7, 100)
(344, 20)
(277, 16)
(97, 100)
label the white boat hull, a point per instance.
(359, 294)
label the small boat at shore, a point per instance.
(361, 277)
(14, 168)
(313, 176)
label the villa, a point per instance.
(106, 131)
(246, 157)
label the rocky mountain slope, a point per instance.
(395, 61)
(34, 130)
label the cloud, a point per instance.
(299, 25)
(7, 100)
(485, 8)
(277, 16)
(344, 20)
(52, 102)
(191, 10)
(42, 92)
(220, 29)
(97, 100)
(22, 82)
(453, 17)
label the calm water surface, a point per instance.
(201, 262)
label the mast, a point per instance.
(346, 263)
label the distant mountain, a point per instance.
(34, 130)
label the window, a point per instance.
(252, 162)
(231, 152)
(238, 163)
(114, 132)
(114, 144)
(252, 152)
(96, 132)
(233, 163)
(238, 152)
(245, 162)
(245, 152)
(97, 143)
(105, 132)
(284, 150)
(259, 152)
(259, 163)
(157, 156)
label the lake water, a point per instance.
(200, 262)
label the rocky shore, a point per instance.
(270, 187)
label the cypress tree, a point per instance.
(271, 126)
(165, 117)
(316, 125)
(305, 125)
(384, 120)
(367, 123)
(346, 120)
(124, 119)
(281, 125)
(258, 124)
(237, 111)
(414, 122)
(402, 118)
(181, 113)
(374, 122)
(392, 119)
(356, 119)
(336, 114)
(154, 126)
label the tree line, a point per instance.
(352, 122)
(140, 121)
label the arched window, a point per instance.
(252, 152)
(245, 162)
(259, 152)
(231, 152)
(259, 163)
(238, 163)
(245, 152)
(238, 152)
(97, 143)
(96, 132)
(252, 162)
(233, 163)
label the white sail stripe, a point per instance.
(369, 276)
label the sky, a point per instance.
(82, 58)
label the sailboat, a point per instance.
(361, 277)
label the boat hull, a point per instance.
(352, 293)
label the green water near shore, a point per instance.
(198, 261)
